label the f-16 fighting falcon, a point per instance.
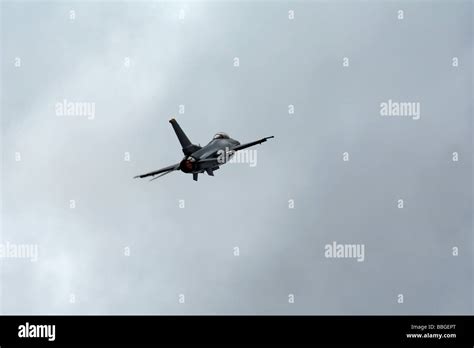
(199, 159)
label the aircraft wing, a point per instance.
(164, 170)
(244, 146)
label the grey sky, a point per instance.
(189, 251)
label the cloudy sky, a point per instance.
(334, 63)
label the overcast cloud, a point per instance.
(190, 61)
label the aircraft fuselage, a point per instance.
(206, 158)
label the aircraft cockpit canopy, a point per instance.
(221, 135)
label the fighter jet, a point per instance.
(199, 159)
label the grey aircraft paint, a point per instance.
(202, 159)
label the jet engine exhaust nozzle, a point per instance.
(187, 166)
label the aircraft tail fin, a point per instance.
(188, 147)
